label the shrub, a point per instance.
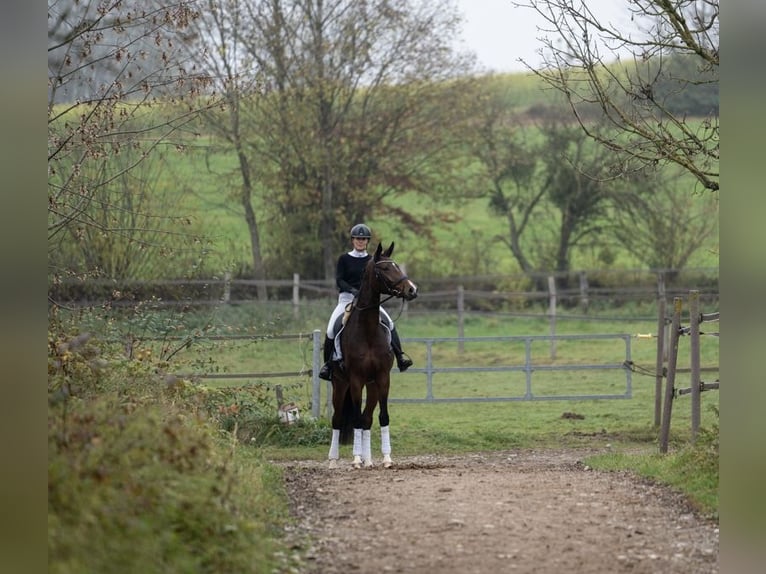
(141, 478)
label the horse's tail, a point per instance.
(347, 420)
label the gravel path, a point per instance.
(525, 511)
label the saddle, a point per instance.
(340, 323)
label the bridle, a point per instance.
(390, 288)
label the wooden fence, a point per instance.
(697, 385)
(576, 290)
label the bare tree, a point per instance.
(117, 89)
(356, 104)
(659, 221)
(235, 77)
(633, 74)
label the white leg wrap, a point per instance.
(357, 442)
(385, 440)
(366, 448)
(334, 445)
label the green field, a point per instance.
(262, 354)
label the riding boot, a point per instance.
(326, 371)
(403, 362)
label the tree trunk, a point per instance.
(259, 273)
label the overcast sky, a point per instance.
(500, 33)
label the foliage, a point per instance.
(117, 95)
(637, 72)
(140, 476)
(352, 106)
(658, 218)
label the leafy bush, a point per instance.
(140, 477)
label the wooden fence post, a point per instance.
(670, 383)
(460, 318)
(552, 313)
(584, 303)
(658, 376)
(316, 382)
(694, 349)
(226, 287)
(296, 294)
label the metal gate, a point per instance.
(531, 368)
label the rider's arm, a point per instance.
(341, 277)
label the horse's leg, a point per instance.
(357, 452)
(356, 397)
(334, 448)
(385, 437)
(339, 390)
(369, 408)
(366, 448)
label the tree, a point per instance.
(659, 221)
(634, 74)
(543, 179)
(119, 93)
(356, 103)
(235, 77)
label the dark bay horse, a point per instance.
(365, 345)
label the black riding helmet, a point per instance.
(361, 230)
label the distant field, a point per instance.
(468, 245)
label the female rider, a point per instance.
(348, 277)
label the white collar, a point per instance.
(355, 253)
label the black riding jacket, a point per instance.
(349, 272)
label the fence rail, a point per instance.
(579, 289)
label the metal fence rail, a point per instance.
(528, 367)
(531, 366)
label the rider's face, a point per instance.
(360, 243)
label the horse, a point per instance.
(365, 344)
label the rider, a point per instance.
(348, 277)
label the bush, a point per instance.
(141, 478)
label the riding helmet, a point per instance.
(361, 230)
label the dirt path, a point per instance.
(528, 512)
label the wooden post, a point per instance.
(316, 382)
(552, 313)
(694, 349)
(665, 326)
(460, 318)
(227, 287)
(658, 376)
(296, 294)
(670, 383)
(584, 303)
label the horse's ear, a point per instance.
(378, 251)
(390, 250)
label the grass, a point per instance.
(149, 471)
(624, 427)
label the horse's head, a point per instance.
(391, 278)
